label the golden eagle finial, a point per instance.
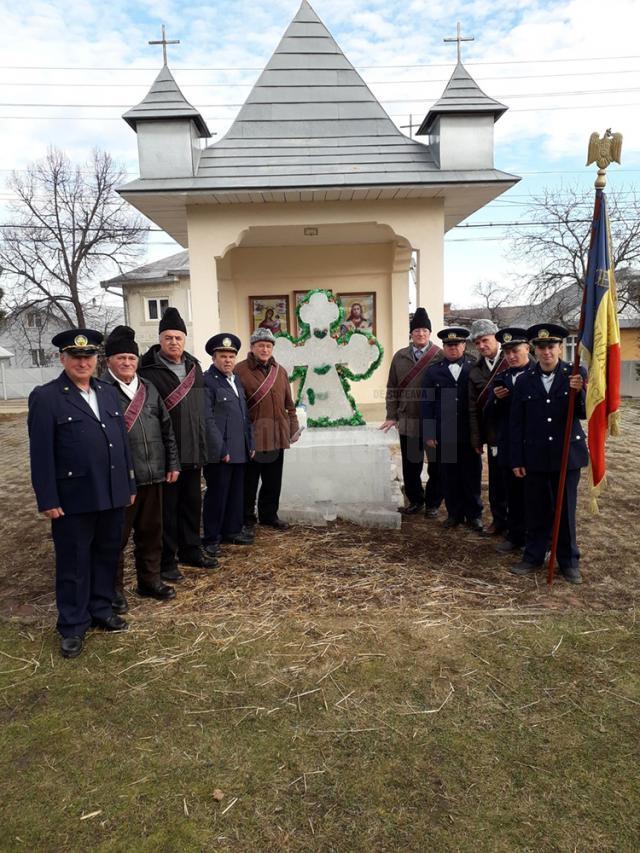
(603, 151)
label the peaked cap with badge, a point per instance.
(511, 336)
(546, 333)
(224, 341)
(454, 335)
(78, 341)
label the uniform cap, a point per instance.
(78, 341)
(223, 341)
(511, 335)
(546, 333)
(454, 335)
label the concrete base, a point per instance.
(341, 472)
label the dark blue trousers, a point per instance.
(223, 504)
(498, 495)
(461, 483)
(412, 451)
(87, 549)
(540, 489)
(514, 488)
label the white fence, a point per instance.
(16, 383)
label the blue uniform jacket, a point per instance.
(78, 462)
(498, 411)
(231, 415)
(537, 422)
(445, 405)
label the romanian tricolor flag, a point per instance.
(599, 339)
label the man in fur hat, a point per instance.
(178, 377)
(273, 415)
(403, 398)
(155, 461)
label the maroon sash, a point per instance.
(482, 396)
(134, 408)
(178, 394)
(418, 367)
(263, 389)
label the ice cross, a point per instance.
(458, 38)
(325, 357)
(163, 41)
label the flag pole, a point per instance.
(599, 185)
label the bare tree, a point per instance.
(67, 226)
(557, 248)
(493, 298)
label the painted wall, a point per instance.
(630, 344)
(264, 271)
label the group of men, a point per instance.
(126, 452)
(449, 406)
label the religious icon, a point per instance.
(359, 312)
(269, 312)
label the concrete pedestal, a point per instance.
(341, 472)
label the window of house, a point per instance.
(38, 357)
(34, 320)
(156, 307)
(570, 347)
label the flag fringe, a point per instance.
(614, 423)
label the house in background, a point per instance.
(563, 307)
(147, 291)
(27, 335)
(313, 186)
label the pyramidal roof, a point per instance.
(461, 95)
(164, 100)
(311, 120)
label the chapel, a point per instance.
(313, 186)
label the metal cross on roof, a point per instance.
(163, 41)
(458, 38)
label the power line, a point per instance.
(177, 69)
(382, 100)
(399, 82)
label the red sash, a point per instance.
(178, 394)
(134, 408)
(263, 389)
(482, 396)
(418, 367)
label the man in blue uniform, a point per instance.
(445, 412)
(83, 478)
(223, 506)
(537, 424)
(515, 347)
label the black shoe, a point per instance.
(495, 528)
(250, 523)
(242, 538)
(411, 509)
(507, 547)
(71, 647)
(524, 568)
(159, 591)
(213, 550)
(450, 522)
(431, 512)
(201, 560)
(119, 604)
(571, 575)
(111, 623)
(476, 524)
(172, 575)
(277, 524)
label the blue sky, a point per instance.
(69, 70)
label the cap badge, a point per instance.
(507, 337)
(226, 342)
(543, 333)
(451, 335)
(80, 341)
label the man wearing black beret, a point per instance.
(178, 377)
(83, 478)
(155, 460)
